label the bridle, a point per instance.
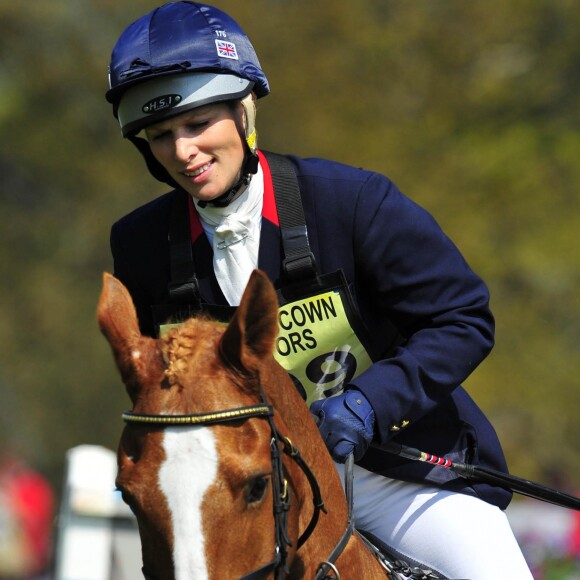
(327, 569)
(281, 493)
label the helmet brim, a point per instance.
(162, 97)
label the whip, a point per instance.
(488, 475)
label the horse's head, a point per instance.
(203, 490)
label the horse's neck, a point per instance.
(356, 561)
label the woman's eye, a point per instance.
(197, 125)
(157, 136)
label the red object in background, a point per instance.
(31, 501)
(574, 538)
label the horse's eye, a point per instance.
(256, 490)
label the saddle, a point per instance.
(398, 566)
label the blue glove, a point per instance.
(346, 423)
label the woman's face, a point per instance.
(201, 149)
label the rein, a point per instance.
(281, 495)
(328, 565)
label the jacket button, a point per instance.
(402, 425)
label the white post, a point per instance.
(86, 538)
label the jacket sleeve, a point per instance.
(412, 274)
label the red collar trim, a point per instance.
(269, 209)
(195, 227)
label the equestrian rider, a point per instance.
(381, 318)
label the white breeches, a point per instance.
(457, 535)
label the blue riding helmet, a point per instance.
(177, 39)
(180, 56)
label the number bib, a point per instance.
(317, 342)
(320, 339)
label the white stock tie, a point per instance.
(234, 231)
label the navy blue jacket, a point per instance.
(401, 269)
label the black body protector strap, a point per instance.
(183, 286)
(299, 263)
(184, 296)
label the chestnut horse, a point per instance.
(220, 460)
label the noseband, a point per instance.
(281, 493)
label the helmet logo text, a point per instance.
(160, 103)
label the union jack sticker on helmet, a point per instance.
(226, 49)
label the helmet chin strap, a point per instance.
(249, 168)
(250, 164)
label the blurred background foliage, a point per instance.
(472, 108)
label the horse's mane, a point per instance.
(197, 337)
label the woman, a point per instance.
(381, 318)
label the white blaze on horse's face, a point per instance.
(190, 468)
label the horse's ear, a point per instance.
(253, 329)
(116, 313)
(118, 322)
